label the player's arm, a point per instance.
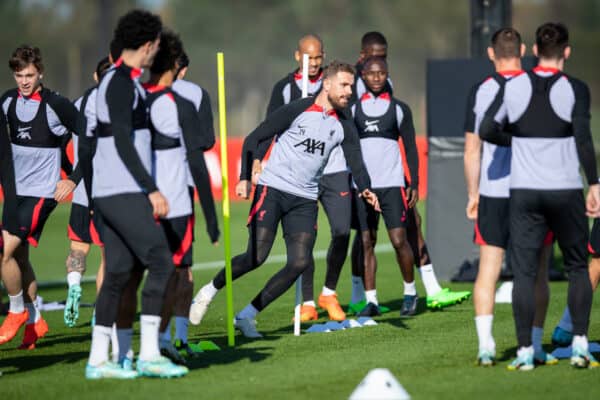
(275, 102)
(86, 147)
(119, 98)
(205, 114)
(407, 133)
(275, 124)
(472, 158)
(585, 146)
(491, 128)
(195, 145)
(353, 154)
(7, 178)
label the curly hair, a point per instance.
(337, 66)
(169, 52)
(25, 55)
(136, 28)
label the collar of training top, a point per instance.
(546, 69)
(382, 96)
(298, 76)
(37, 96)
(509, 73)
(317, 108)
(134, 73)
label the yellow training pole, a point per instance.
(225, 191)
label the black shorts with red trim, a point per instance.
(179, 233)
(32, 214)
(192, 192)
(269, 206)
(394, 208)
(84, 226)
(335, 196)
(594, 243)
(492, 225)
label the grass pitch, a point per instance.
(432, 354)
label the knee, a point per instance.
(340, 238)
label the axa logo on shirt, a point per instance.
(312, 145)
(371, 126)
(24, 133)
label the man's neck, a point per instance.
(555, 63)
(132, 58)
(323, 101)
(165, 79)
(507, 64)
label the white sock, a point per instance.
(248, 312)
(309, 303)
(429, 279)
(34, 313)
(327, 292)
(358, 289)
(124, 337)
(410, 289)
(565, 322)
(525, 351)
(209, 290)
(17, 304)
(483, 324)
(537, 335)
(580, 341)
(371, 296)
(181, 328)
(114, 343)
(74, 278)
(100, 342)
(149, 325)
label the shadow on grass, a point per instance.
(229, 355)
(27, 361)
(396, 305)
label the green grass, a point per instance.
(431, 354)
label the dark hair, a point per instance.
(371, 38)
(25, 55)
(374, 59)
(102, 67)
(552, 39)
(506, 43)
(115, 49)
(183, 61)
(169, 52)
(337, 66)
(136, 28)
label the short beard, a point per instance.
(335, 104)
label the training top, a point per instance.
(494, 177)
(547, 115)
(289, 89)
(7, 179)
(38, 127)
(201, 100)
(174, 124)
(123, 158)
(86, 105)
(305, 134)
(381, 120)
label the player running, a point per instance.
(487, 174)
(38, 120)
(128, 201)
(308, 130)
(547, 117)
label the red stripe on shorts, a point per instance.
(95, 235)
(186, 243)
(478, 238)
(258, 205)
(72, 235)
(35, 219)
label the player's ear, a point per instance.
(490, 53)
(297, 56)
(535, 50)
(567, 52)
(523, 49)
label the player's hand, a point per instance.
(472, 206)
(64, 187)
(242, 189)
(256, 171)
(412, 196)
(592, 203)
(371, 198)
(160, 205)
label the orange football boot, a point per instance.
(11, 325)
(331, 304)
(33, 332)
